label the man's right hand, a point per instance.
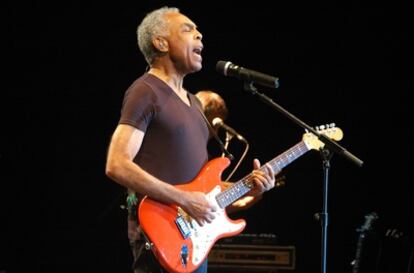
(198, 207)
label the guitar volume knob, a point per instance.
(184, 255)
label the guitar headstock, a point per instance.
(329, 130)
(369, 219)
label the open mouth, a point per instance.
(198, 50)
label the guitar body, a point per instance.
(183, 247)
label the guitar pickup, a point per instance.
(183, 227)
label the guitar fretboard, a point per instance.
(245, 184)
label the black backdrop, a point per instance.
(71, 62)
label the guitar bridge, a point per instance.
(182, 226)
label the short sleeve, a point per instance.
(138, 106)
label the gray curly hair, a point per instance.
(154, 24)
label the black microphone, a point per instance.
(230, 69)
(219, 122)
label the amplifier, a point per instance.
(251, 257)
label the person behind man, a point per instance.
(213, 106)
(161, 136)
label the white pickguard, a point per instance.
(203, 237)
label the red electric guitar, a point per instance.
(178, 242)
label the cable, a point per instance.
(241, 158)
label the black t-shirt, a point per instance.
(174, 148)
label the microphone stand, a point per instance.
(229, 137)
(327, 151)
(227, 141)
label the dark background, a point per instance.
(346, 63)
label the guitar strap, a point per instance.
(216, 137)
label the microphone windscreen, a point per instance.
(217, 121)
(221, 67)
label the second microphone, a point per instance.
(220, 123)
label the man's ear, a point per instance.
(161, 44)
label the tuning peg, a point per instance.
(322, 127)
(332, 125)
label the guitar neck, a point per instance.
(244, 185)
